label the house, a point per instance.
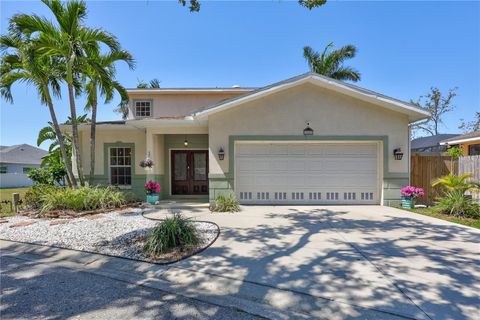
(430, 144)
(16, 161)
(305, 140)
(470, 143)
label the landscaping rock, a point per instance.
(109, 233)
(3, 221)
(23, 223)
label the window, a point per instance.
(474, 149)
(121, 167)
(26, 169)
(143, 108)
(3, 169)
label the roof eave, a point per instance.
(451, 142)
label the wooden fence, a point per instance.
(425, 169)
(470, 164)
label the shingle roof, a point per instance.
(460, 138)
(430, 141)
(21, 153)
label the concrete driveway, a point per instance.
(372, 257)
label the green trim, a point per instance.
(106, 159)
(175, 141)
(391, 190)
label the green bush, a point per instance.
(35, 195)
(226, 203)
(83, 199)
(54, 174)
(173, 232)
(457, 204)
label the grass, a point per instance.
(475, 223)
(6, 194)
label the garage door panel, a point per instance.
(307, 173)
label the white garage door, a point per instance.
(309, 173)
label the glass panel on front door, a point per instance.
(189, 172)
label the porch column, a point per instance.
(151, 152)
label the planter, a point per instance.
(153, 198)
(408, 202)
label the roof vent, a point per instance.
(235, 86)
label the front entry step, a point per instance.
(179, 204)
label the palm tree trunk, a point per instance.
(63, 150)
(93, 128)
(75, 143)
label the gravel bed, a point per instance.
(110, 233)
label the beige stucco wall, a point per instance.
(174, 105)
(287, 112)
(112, 136)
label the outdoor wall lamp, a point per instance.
(185, 143)
(308, 131)
(221, 154)
(398, 154)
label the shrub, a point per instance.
(54, 174)
(173, 232)
(226, 203)
(82, 199)
(457, 204)
(452, 182)
(35, 195)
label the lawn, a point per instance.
(6, 194)
(475, 223)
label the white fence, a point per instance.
(470, 164)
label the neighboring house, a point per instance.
(470, 143)
(305, 140)
(430, 144)
(16, 161)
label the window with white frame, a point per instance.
(120, 166)
(143, 108)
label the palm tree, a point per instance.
(100, 74)
(69, 40)
(21, 62)
(330, 62)
(54, 155)
(153, 84)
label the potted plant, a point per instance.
(409, 196)
(152, 190)
(147, 163)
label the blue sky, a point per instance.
(404, 48)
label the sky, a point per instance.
(404, 48)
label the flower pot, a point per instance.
(408, 202)
(153, 198)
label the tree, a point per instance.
(470, 126)
(21, 62)
(438, 105)
(153, 84)
(69, 40)
(100, 75)
(330, 62)
(194, 5)
(54, 157)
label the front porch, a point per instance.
(180, 165)
(119, 150)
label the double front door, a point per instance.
(189, 172)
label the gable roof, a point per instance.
(414, 113)
(430, 141)
(472, 136)
(21, 153)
